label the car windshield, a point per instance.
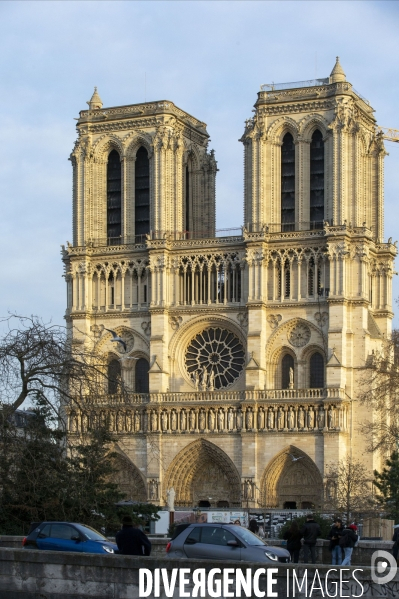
(248, 537)
(90, 533)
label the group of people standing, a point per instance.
(342, 541)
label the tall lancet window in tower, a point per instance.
(316, 181)
(187, 203)
(142, 193)
(288, 183)
(114, 199)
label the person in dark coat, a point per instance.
(335, 548)
(293, 537)
(347, 541)
(253, 526)
(131, 540)
(395, 539)
(310, 531)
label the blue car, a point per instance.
(67, 536)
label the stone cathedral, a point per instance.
(240, 353)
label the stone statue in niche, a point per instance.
(270, 418)
(260, 419)
(164, 421)
(249, 419)
(201, 420)
(239, 419)
(85, 422)
(221, 419)
(153, 489)
(321, 419)
(129, 421)
(290, 419)
(230, 420)
(301, 418)
(173, 420)
(74, 422)
(94, 421)
(112, 421)
(154, 421)
(211, 420)
(280, 418)
(137, 422)
(183, 420)
(192, 420)
(331, 417)
(120, 421)
(310, 418)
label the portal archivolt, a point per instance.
(128, 478)
(292, 483)
(202, 473)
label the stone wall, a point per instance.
(361, 555)
(30, 574)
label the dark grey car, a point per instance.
(224, 541)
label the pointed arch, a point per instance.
(203, 472)
(295, 482)
(138, 141)
(128, 477)
(280, 127)
(310, 123)
(105, 144)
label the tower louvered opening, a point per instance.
(316, 181)
(114, 198)
(142, 193)
(288, 183)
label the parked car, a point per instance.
(67, 536)
(223, 541)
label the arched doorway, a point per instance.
(128, 478)
(203, 474)
(292, 483)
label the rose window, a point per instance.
(214, 359)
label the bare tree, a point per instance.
(349, 488)
(380, 395)
(39, 362)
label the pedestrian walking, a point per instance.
(131, 540)
(293, 537)
(395, 539)
(334, 536)
(310, 531)
(347, 542)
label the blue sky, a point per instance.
(208, 57)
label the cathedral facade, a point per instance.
(241, 353)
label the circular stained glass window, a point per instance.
(214, 359)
